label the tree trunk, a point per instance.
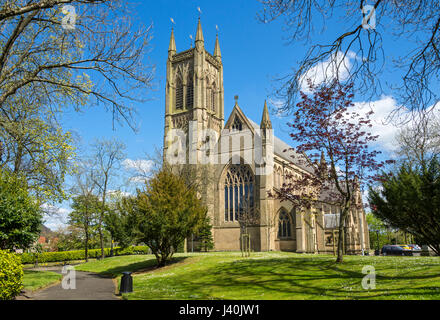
(86, 251)
(86, 231)
(341, 238)
(18, 158)
(101, 217)
(101, 240)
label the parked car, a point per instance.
(415, 247)
(395, 250)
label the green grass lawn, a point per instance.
(34, 280)
(114, 266)
(274, 275)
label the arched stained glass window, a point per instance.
(284, 225)
(239, 188)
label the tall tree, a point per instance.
(419, 141)
(107, 156)
(118, 220)
(61, 54)
(378, 231)
(84, 215)
(356, 52)
(85, 202)
(20, 214)
(410, 201)
(73, 52)
(334, 138)
(35, 146)
(204, 235)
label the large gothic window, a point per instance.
(179, 93)
(239, 191)
(284, 225)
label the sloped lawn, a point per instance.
(34, 280)
(275, 275)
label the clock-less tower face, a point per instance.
(194, 89)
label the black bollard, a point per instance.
(126, 283)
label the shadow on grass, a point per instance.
(297, 278)
(138, 267)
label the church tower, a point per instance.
(194, 89)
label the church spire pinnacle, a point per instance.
(217, 52)
(199, 35)
(323, 166)
(265, 120)
(172, 46)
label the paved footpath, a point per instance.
(89, 286)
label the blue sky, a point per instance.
(254, 54)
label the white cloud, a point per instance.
(138, 165)
(141, 169)
(53, 210)
(55, 217)
(278, 107)
(119, 192)
(381, 125)
(138, 179)
(326, 70)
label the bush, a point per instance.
(20, 214)
(11, 275)
(64, 256)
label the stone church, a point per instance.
(244, 170)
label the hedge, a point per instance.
(63, 256)
(11, 275)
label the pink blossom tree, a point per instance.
(327, 128)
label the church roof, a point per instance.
(284, 151)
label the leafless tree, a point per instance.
(357, 53)
(85, 201)
(419, 140)
(248, 216)
(107, 156)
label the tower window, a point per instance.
(208, 95)
(213, 98)
(179, 94)
(189, 93)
